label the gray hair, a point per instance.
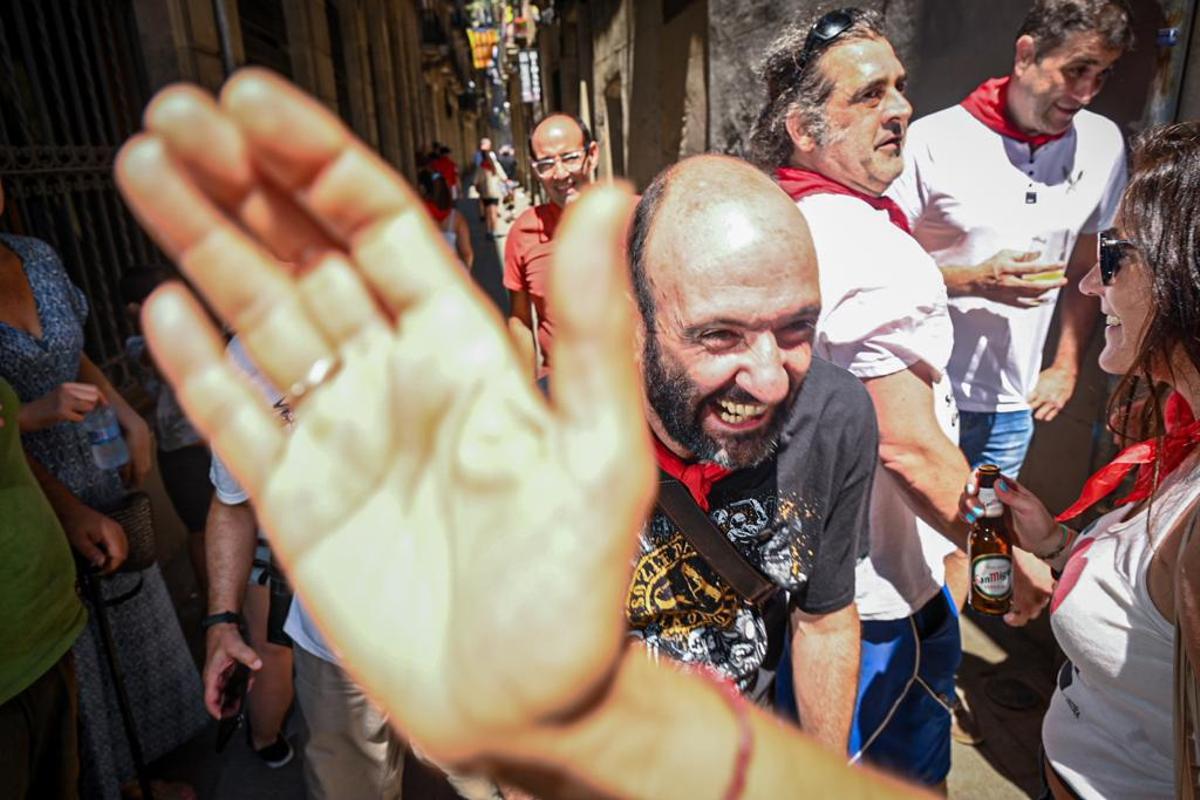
(797, 86)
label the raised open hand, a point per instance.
(464, 544)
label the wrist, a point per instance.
(221, 620)
(32, 416)
(1056, 543)
(641, 740)
(960, 281)
(1068, 366)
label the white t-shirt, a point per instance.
(970, 192)
(299, 624)
(1108, 729)
(883, 309)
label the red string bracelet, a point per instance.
(741, 763)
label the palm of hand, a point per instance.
(437, 532)
(463, 544)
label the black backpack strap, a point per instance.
(677, 503)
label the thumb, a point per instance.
(594, 370)
(240, 651)
(88, 549)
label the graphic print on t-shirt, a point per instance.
(679, 605)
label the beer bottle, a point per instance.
(989, 549)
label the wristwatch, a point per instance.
(222, 617)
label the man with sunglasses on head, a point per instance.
(832, 134)
(564, 160)
(1005, 191)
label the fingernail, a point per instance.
(970, 515)
(1002, 485)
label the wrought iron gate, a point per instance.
(71, 91)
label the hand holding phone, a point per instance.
(232, 694)
(234, 690)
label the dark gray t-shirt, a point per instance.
(800, 517)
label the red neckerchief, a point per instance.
(438, 213)
(698, 478)
(803, 182)
(989, 104)
(445, 166)
(1182, 436)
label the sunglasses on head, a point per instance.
(824, 31)
(1111, 253)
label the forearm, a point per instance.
(825, 659)
(960, 281)
(229, 542)
(30, 418)
(665, 733)
(931, 475)
(65, 504)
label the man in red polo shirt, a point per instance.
(564, 159)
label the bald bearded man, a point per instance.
(778, 447)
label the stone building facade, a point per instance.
(398, 71)
(76, 74)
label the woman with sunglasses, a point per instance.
(1108, 731)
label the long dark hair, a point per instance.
(1160, 214)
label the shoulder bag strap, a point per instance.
(677, 503)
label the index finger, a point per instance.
(349, 190)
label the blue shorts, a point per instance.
(905, 692)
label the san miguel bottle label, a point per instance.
(991, 575)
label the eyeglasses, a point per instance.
(572, 162)
(824, 31)
(1111, 253)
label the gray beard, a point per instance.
(678, 404)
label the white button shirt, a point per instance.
(970, 192)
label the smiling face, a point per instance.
(1045, 94)
(734, 280)
(1127, 305)
(866, 118)
(558, 138)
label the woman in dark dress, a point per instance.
(41, 354)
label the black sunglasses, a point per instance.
(1111, 253)
(824, 31)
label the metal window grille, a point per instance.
(71, 91)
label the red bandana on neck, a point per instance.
(698, 478)
(989, 104)
(1182, 436)
(437, 213)
(802, 182)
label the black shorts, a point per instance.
(185, 476)
(490, 201)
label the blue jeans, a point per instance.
(1001, 438)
